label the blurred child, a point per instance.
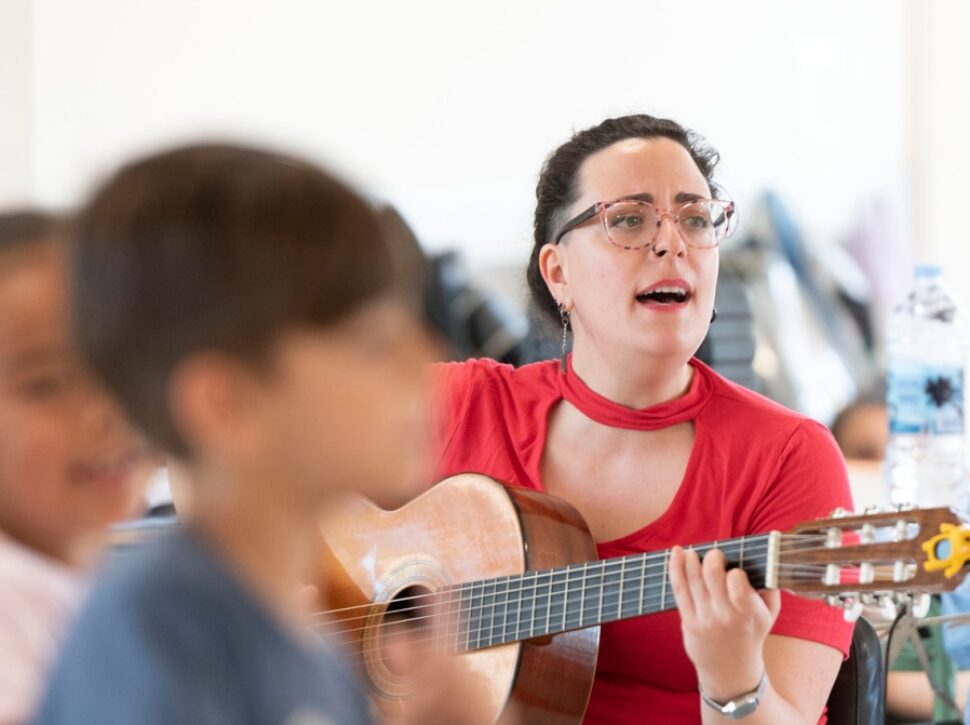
(250, 313)
(67, 461)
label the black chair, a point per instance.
(858, 696)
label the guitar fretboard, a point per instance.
(536, 604)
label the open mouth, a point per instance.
(665, 294)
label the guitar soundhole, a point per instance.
(407, 629)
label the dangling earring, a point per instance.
(714, 315)
(564, 316)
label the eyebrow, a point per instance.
(38, 357)
(681, 198)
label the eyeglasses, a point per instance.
(635, 224)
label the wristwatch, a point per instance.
(742, 705)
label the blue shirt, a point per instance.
(171, 637)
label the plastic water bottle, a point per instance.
(928, 345)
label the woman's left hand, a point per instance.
(725, 622)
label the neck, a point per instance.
(636, 382)
(267, 540)
(540, 603)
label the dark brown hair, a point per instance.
(556, 190)
(23, 227)
(215, 247)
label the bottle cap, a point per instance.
(927, 270)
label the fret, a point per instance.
(488, 604)
(741, 553)
(602, 591)
(629, 590)
(474, 614)
(663, 581)
(582, 593)
(612, 587)
(536, 596)
(458, 618)
(454, 618)
(619, 599)
(592, 598)
(565, 598)
(573, 616)
(643, 582)
(501, 610)
(523, 621)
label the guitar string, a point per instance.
(443, 638)
(529, 578)
(748, 542)
(493, 587)
(611, 568)
(789, 573)
(542, 578)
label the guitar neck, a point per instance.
(491, 612)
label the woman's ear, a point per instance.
(554, 269)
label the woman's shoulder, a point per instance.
(731, 400)
(480, 375)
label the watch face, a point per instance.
(741, 707)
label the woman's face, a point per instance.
(605, 287)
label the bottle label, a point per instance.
(925, 398)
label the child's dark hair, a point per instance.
(215, 247)
(25, 227)
(556, 189)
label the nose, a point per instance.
(668, 240)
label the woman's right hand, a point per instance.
(724, 620)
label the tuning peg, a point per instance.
(870, 510)
(853, 609)
(905, 507)
(839, 513)
(887, 606)
(867, 598)
(833, 600)
(921, 605)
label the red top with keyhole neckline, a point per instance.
(754, 467)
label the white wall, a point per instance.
(941, 121)
(16, 84)
(448, 108)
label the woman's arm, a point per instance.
(726, 626)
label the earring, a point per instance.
(714, 315)
(564, 316)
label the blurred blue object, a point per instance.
(956, 638)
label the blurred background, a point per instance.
(839, 124)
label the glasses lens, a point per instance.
(631, 224)
(704, 223)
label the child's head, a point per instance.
(66, 455)
(248, 310)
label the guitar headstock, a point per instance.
(854, 560)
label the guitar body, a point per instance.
(464, 529)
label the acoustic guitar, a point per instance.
(508, 579)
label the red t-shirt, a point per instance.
(754, 467)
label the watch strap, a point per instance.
(738, 707)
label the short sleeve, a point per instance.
(810, 482)
(451, 385)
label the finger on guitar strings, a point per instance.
(678, 581)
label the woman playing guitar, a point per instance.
(650, 445)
